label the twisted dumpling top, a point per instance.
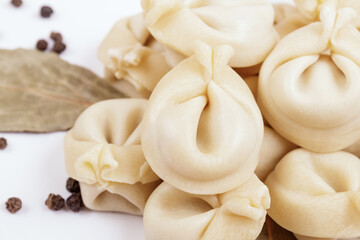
(134, 60)
(311, 8)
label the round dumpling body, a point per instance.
(309, 85)
(103, 152)
(202, 129)
(317, 195)
(238, 214)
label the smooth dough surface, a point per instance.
(202, 129)
(273, 149)
(134, 61)
(246, 25)
(238, 214)
(317, 194)
(103, 152)
(252, 82)
(308, 86)
(288, 19)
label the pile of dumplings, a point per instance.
(236, 109)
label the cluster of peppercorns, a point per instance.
(58, 46)
(74, 202)
(45, 12)
(54, 201)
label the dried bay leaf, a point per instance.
(272, 231)
(39, 92)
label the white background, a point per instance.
(32, 166)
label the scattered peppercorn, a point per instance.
(16, 3)
(72, 185)
(13, 204)
(56, 36)
(46, 11)
(3, 143)
(42, 45)
(55, 202)
(58, 47)
(74, 202)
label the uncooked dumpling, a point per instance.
(202, 129)
(317, 194)
(176, 215)
(134, 61)
(246, 25)
(252, 83)
(288, 19)
(103, 151)
(311, 8)
(309, 85)
(283, 11)
(273, 149)
(127, 198)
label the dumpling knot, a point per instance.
(93, 164)
(155, 9)
(124, 57)
(212, 58)
(312, 9)
(333, 21)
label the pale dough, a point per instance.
(103, 151)
(308, 86)
(176, 215)
(202, 129)
(317, 194)
(246, 25)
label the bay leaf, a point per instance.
(39, 92)
(272, 231)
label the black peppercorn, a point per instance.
(74, 202)
(57, 37)
(58, 47)
(3, 143)
(13, 204)
(46, 11)
(55, 202)
(41, 45)
(16, 3)
(72, 185)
